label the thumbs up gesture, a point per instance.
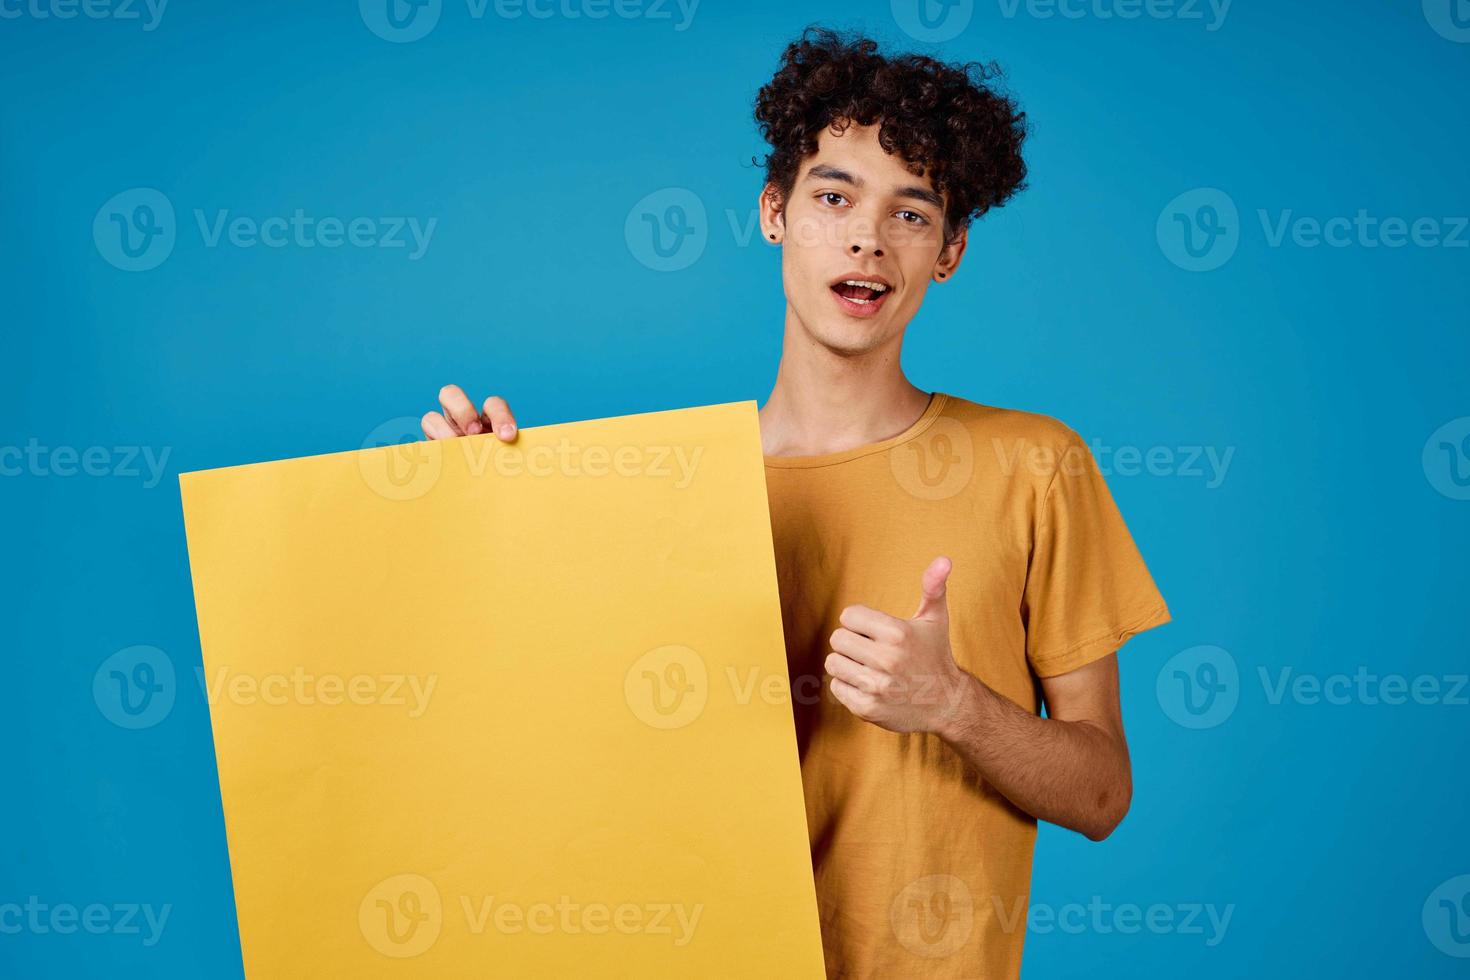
(899, 674)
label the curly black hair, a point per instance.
(940, 118)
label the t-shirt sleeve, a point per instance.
(1087, 588)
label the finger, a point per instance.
(459, 411)
(857, 647)
(498, 418)
(934, 586)
(874, 624)
(436, 428)
(849, 671)
(850, 697)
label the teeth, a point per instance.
(863, 282)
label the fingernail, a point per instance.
(474, 428)
(507, 431)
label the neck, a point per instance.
(825, 401)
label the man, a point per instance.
(925, 760)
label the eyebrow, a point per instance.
(824, 172)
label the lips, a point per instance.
(860, 294)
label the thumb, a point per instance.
(932, 605)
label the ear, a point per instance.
(950, 255)
(773, 215)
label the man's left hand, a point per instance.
(899, 673)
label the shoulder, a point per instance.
(1031, 438)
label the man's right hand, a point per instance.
(460, 418)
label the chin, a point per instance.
(848, 338)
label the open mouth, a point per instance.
(861, 297)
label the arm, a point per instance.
(1070, 768)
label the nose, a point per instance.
(863, 235)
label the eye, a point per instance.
(917, 218)
(830, 194)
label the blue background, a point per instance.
(1326, 548)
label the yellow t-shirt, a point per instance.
(922, 869)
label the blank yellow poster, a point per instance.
(507, 711)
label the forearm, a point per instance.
(1072, 773)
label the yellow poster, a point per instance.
(489, 710)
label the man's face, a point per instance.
(857, 213)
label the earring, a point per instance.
(773, 236)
